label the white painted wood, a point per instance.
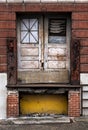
(65, 1)
(2, 1)
(58, 57)
(84, 78)
(14, 1)
(85, 95)
(29, 65)
(85, 112)
(81, 1)
(3, 95)
(43, 56)
(57, 65)
(32, 1)
(29, 51)
(85, 88)
(85, 103)
(57, 51)
(49, 1)
(85, 100)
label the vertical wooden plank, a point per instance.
(11, 61)
(75, 61)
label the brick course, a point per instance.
(12, 104)
(74, 103)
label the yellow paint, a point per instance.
(37, 103)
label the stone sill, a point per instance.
(44, 85)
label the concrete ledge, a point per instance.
(81, 119)
(35, 120)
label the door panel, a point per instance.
(56, 64)
(29, 51)
(56, 51)
(29, 64)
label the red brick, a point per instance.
(74, 104)
(84, 50)
(7, 25)
(84, 59)
(9, 33)
(2, 42)
(80, 24)
(3, 7)
(83, 68)
(59, 7)
(3, 68)
(7, 16)
(84, 42)
(80, 33)
(49, 7)
(80, 16)
(3, 50)
(81, 7)
(3, 59)
(12, 105)
(16, 7)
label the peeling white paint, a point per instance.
(3, 95)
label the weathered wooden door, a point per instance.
(43, 49)
(56, 44)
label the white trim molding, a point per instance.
(3, 95)
(84, 78)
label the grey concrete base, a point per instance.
(36, 120)
(81, 119)
(42, 120)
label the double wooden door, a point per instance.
(43, 45)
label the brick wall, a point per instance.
(80, 30)
(74, 103)
(7, 29)
(12, 104)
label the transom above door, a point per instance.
(43, 48)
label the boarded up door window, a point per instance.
(57, 30)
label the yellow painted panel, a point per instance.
(36, 103)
